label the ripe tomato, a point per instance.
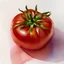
(31, 29)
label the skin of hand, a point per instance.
(48, 53)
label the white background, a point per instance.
(9, 8)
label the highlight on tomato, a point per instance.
(32, 29)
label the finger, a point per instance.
(18, 56)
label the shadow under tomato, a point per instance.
(53, 51)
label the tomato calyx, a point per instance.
(31, 20)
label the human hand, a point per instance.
(52, 52)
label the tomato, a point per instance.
(38, 36)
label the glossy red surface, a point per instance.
(39, 36)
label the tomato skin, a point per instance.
(35, 41)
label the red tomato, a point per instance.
(37, 38)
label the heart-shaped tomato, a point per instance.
(32, 29)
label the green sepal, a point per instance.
(41, 26)
(31, 29)
(47, 14)
(18, 24)
(21, 11)
(35, 9)
(22, 27)
(28, 15)
(24, 18)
